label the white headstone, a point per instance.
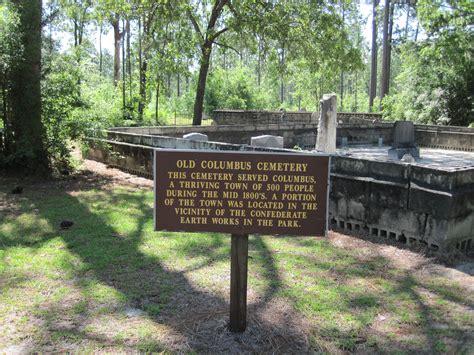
(267, 141)
(326, 138)
(196, 137)
(408, 158)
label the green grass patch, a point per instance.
(71, 288)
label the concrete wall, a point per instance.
(304, 134)
(240, 117)
(408, 203)
(445, 137)
(412, 204)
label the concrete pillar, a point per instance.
(267, 141)
(326, 138)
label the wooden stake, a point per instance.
(238, 282)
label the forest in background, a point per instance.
(183, 59)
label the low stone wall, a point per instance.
(134, 153)
(302, 135)
(445, 137)
(393, 200)
(241, 117)
(409, 203)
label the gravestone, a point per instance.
(196, 137)
(326, 138)
(344, 142)
(267, 141)
(403, 141)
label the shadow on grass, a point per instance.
(116, 259)
(414, 298)
(110, 247)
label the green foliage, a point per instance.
(10, 45)
(234, 89)
(60, 96)
(436, 82)
(75, 100)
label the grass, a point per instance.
(70, 290)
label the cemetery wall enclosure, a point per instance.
(411, 203)
(304, 134)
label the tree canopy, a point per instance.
(173, 60)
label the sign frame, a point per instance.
(230, 152)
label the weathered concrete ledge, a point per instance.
(244, 117)
(304, 134)
(404, 202)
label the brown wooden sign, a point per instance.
(241, 192)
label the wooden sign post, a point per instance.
(241, 193)
(238, 282)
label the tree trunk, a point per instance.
(390, 32)
(342, 73)
(201, 83)
(116, 27)
(206, 47)
(342, 89)
(142, 90)
(129, 59)
(124, 78)
(355, 91)
(142, 80)
(6, 126)
(373, 67)
(385, 52)
(259, 62)
(30, 154)
(75, 33)
(282, 84)
(157, 102)
(178, 85)
(416, 32)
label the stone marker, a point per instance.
(344, 142)
(403, 134)
(267, 141)
(403, 141)
(408, 158)
(326, 138)
(196, 137)
(380, 142)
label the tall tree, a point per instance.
(373, 61)
(207, 39)
(115, 22)
(29, 153)
(387, 24)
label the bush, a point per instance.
(234, 89)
